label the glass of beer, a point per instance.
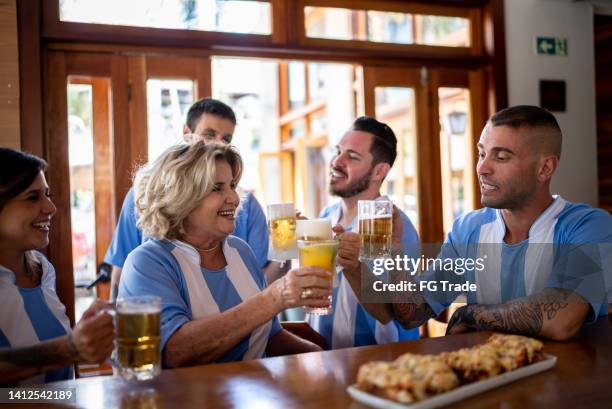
(317, 247)
(281, 226)
(137, 323)
(375, 228)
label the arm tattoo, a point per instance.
(19, 363)
(411, 310)
(524, 316)
(412, 315)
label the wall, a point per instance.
(9, 76)
(576, 179)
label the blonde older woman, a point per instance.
(215, 303)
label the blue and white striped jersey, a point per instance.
(567, 247)
(172, 271)
(32, 315)
(251, 226)
(350, 324)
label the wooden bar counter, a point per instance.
(582, 378)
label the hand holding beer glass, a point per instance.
(375, 228)
(317, 247)
(137, 321)
(281, 225)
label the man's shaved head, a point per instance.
(538, 127)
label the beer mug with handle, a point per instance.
(375, 228)
(137, 354)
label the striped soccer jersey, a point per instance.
(172, 271)
(33, 315)
(567, 247)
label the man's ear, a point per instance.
(186, 131)
(380, 171)
(547, 168)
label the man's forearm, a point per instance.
(553, 313)
(412, 314)
(22, 363)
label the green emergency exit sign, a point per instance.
(551, 46)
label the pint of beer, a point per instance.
(138, 335)
(317, 247)
(281, 227)
(375, 228)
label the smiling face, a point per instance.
(507, 168)
(214, 219)
(351, 170)
(25, 219)
(213, 128)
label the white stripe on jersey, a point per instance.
(344, 317)
(202, 301)
(540, 257)
(488, 280)
(246, 287)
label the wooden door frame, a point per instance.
(429, 177)
(428, 183)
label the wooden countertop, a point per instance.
(582, 378)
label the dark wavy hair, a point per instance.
(19, 169)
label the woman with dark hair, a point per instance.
(36, 342)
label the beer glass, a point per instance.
(317, 247)
(137, 323)
(281, 226)
(375, 228)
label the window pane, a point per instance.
(167, 104)
(81, 160)
(297, 84)
(456, 170)
(385, 27)
(254, 99)
(443, 31)
(395, 106)
(236, 16)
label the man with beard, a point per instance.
(363, 158)
(545, 261)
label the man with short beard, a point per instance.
(545, 261)
(364, 156)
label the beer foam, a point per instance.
(320, 228)
(129, 308)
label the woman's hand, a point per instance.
(93, 336)
(304, 286)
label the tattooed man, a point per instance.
(546, 261)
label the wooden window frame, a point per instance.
(471, 13)
(53, 27)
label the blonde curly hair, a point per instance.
(170, 188)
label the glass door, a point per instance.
(437, 115)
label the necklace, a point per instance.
(207, 250)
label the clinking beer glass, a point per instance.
(375, 228)
(281, 227)
(317, 247)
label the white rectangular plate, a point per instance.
(455, 395)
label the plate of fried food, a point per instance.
(429, 381)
